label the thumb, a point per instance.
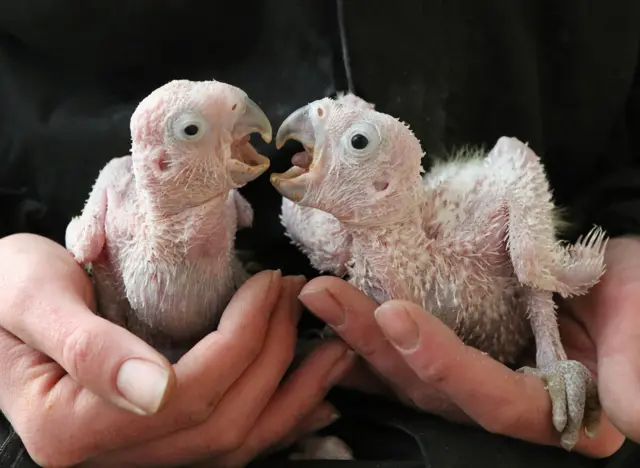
(611, 314)
(44, 305)
(99, 355)
(618, 345)
(619, 387)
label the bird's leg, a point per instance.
(543, 266)
(539, 259)
(573, 392)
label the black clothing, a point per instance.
(561, 75)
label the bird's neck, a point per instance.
(406, 213)
(187, 219)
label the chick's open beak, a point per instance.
(294, 183)
(246, 164)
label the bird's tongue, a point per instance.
(302, 159)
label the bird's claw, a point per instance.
(574, 399)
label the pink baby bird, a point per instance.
(473, 242)
(159, 225)
(317, 233)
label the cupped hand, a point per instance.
(411, 355)
(79, 389)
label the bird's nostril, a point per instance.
(234, 107)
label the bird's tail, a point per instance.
(582, 264)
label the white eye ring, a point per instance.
(362, 139)
(190, 126)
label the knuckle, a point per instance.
(48, 451)
(288, 346)
(254, 347)
(501, 422)
(367, 344)
(229, 440)
(21, 297)
(79, 349)
(418, 399)
(435, 372)
(232, 439)
(198, 410)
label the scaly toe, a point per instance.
(569, 441)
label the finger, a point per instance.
(499, 399)
(610, 314)
(302, 392)
(350, 313)
(48, 311)
(214, 364)
(238, 409)
(320, 417)
(99, 427)
(250, 395)
(361, 378)
(19, 365)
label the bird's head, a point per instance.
(191, 139)
(360, 165)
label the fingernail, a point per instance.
(324, 420)
(299, 281)
(276, 275)
(143, 384)
(398, 326)
(324, 305)
(343, 364)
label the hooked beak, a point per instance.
(295, 183)
(297, 127)
(246, 164)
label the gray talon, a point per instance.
(574, 399)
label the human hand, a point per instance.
(603, 331)
(427, 366)
(64, 390)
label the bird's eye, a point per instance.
(359, 141)
(191, 130)
(362, 139)
(189, 126)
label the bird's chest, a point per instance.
(449, 279)
(178, 277)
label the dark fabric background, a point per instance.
(561, 75)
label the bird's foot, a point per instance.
(322, 448)
(574, 399)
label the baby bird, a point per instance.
(318, 234)
(159, 225)
(473, 241)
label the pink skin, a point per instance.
(318, 234)
(159, 226)
(473, 243)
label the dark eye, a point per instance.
(359, 141)
(191, 130)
